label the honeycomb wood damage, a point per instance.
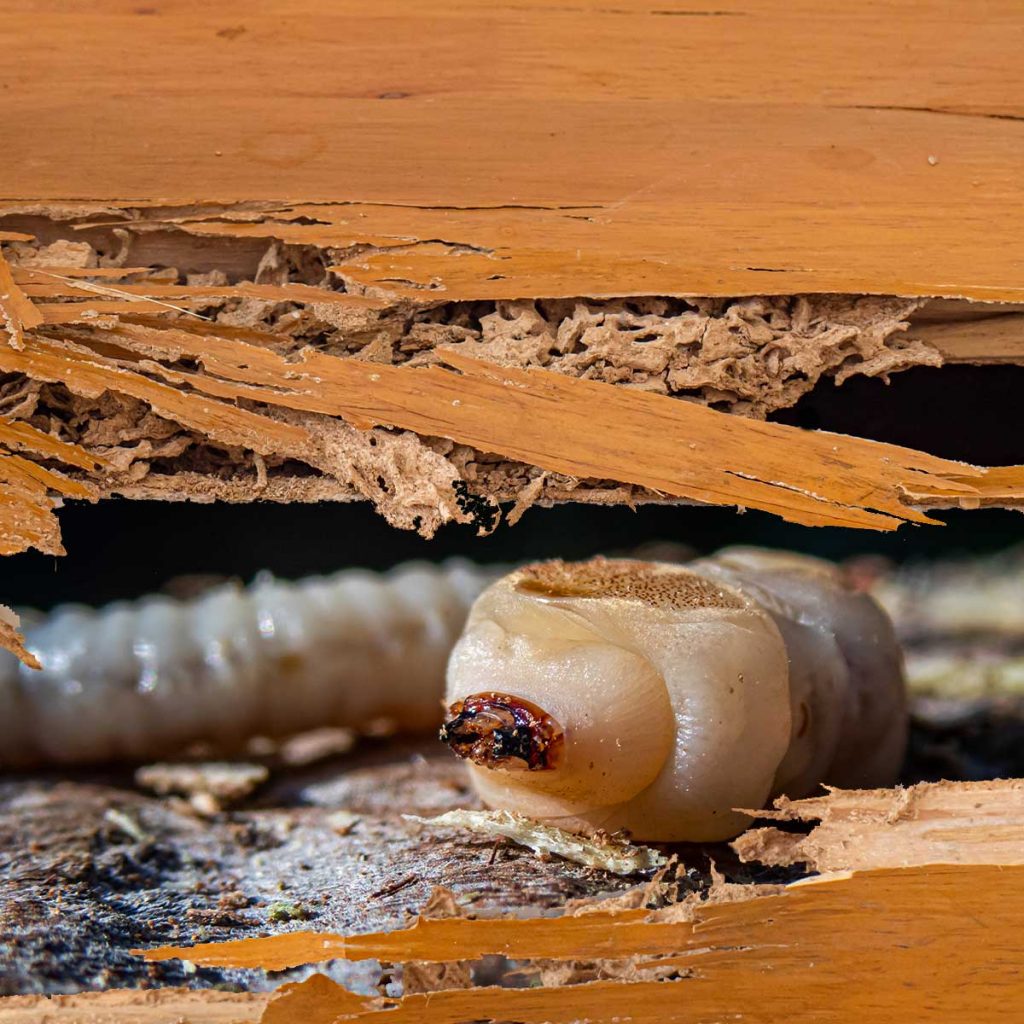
(204, 354)
(125, 312)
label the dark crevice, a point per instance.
(930, 110)
(969, 413)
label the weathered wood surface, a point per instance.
(907, 932)
(91, 868)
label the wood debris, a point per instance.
(609, 853)
(930, 823)
(13, 640)
(308, 748)
(889, 937)
(137, 1006)
(207, 785)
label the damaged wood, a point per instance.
(883, 931)
(136, 1006)
(258, 390)
(931, 823)
(546, 149)
(414, 204)
(866, 946)
(31, 491)
(279, 377)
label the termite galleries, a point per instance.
(496, 730)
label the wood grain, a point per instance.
(919, 913)
(542, 148)
(562, 424)
(877, 946)
(135, 1006)
(930, 823)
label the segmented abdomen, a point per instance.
(145, 679)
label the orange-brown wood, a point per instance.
(941, 941)
(560, 423)
(543, 148)
(919, 911)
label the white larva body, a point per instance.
(846, 667)
(145, 679)
(670, 696)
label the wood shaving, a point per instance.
(605, 852)
(208, 786)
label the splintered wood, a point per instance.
(931, 823)
(30, 492)
(574, 427)
(884, 931)
(464, 254)
(442, 280)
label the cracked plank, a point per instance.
(671, 447)
(585, 159)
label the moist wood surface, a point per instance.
(92, 867)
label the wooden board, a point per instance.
(375, 168)
(551, 148)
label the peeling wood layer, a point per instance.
(882, 929)
(146, 362)
(931, 823)
(216, 373)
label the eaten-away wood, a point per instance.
(256, 236)
(182, 240)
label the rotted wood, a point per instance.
(185, 298)
(93, 868)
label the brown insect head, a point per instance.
(496, 730)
